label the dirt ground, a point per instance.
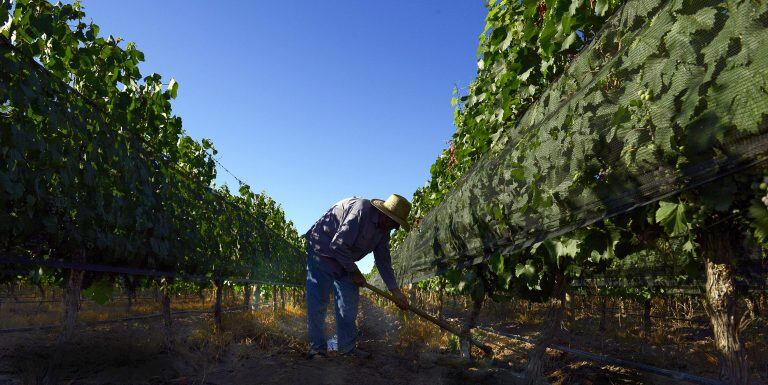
(263, 347)
(256, 348)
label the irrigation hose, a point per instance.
(612, 361)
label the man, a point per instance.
(351, 229)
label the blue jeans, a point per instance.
(347, 296)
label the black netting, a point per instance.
(671, 95)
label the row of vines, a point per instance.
(711, 239)
(96, 170)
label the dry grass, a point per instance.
(411, 333)
(14, 315)
(417, 333)
(244, 336)
(671, 344)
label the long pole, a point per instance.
(442, 324)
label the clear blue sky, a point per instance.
(310, 101)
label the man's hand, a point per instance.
(358, 278)
(400, 300)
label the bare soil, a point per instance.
(266, 347)
(258, 347)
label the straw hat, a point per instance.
(395, 207)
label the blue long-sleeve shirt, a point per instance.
(347, 233)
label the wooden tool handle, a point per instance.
(429, 317)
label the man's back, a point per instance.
(346, 232)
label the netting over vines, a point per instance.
(671, 95)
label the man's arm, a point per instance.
(383, 258)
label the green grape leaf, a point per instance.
(497, 263)
(100, 291)
(173, 88)
(759, 221)
(569, 40)
(672, 217)
(601, 7)
(525, 270)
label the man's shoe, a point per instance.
(357, 353)
(313, 355)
